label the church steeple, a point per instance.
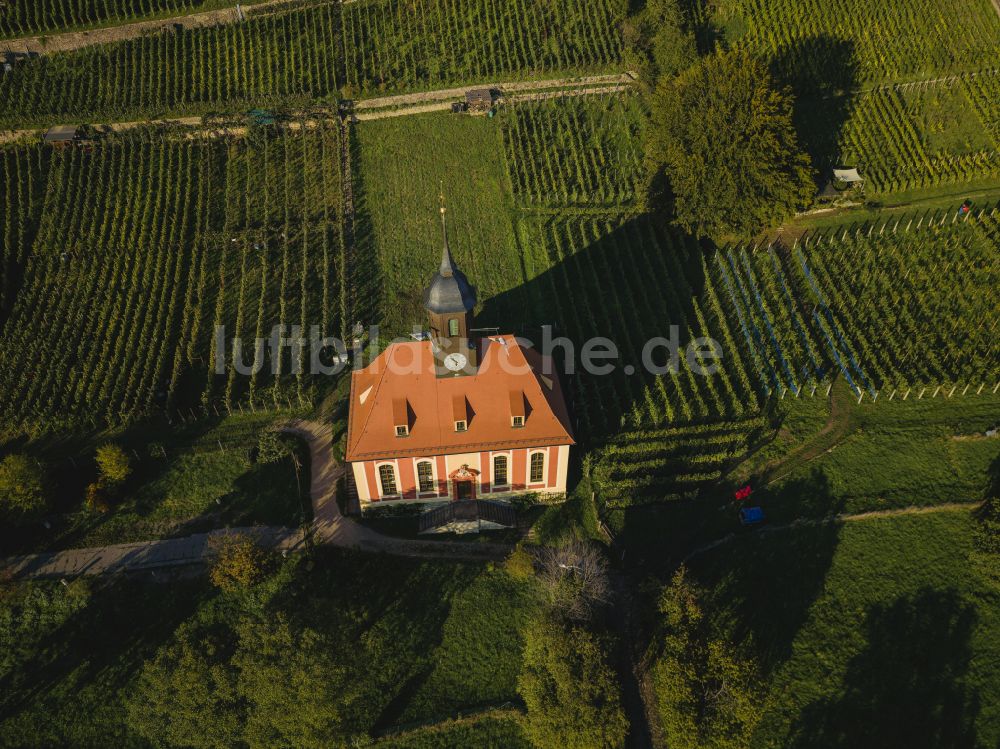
(449, 301)
(447, 265)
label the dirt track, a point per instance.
(47, 44)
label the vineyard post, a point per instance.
(943, 217)
(966, 388)
(896, 226)
(981, 388)
(936, 391)
(922, 391)
(220, 444)
(875, 397)
(995, 388)
(813, 393)
(893, 395)
(861, 395)
(829, 387)
(907, 394)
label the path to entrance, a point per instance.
(329, 527)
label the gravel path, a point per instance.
(329, 527)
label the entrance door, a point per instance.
(463, 490)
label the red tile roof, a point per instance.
(405, 371)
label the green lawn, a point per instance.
(402, 166)
(873, 633)
(412, 641)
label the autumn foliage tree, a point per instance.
(723, 140)
(240, 562)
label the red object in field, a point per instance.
(743, 492)
(965, 208)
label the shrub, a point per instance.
(271, 448)
(519, 564)
(575, 579)
(23, 489)
(96, 498)
(113, 464)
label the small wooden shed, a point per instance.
(60, 136)
(479, 100)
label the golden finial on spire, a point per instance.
(441, 196)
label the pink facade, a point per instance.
(462, 476)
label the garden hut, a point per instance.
(60, 136)
(479, 100)
(848, 176)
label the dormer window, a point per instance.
(518, 411)
(460, 426)
(401, 417)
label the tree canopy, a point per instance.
(706, 695)
(570, 692)
(723, 138)
(23, 489)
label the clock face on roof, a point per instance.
(455, 362)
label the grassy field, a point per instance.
(184, 480)
(399, 224)
(871, 633)
(74, 654)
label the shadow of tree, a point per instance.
(822, 73)
(768, 579)
(905, 688)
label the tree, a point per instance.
(575, 579)
(113, 464)
(23, 489)
(657, 42)
(239, 563)
(707, 697)
(187, 695)
(298, 694)
(569, 690)
(722, 138)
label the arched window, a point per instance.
(453, 327)
(387, 476)
(500, 470)
(537, 468)
(425, 476)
